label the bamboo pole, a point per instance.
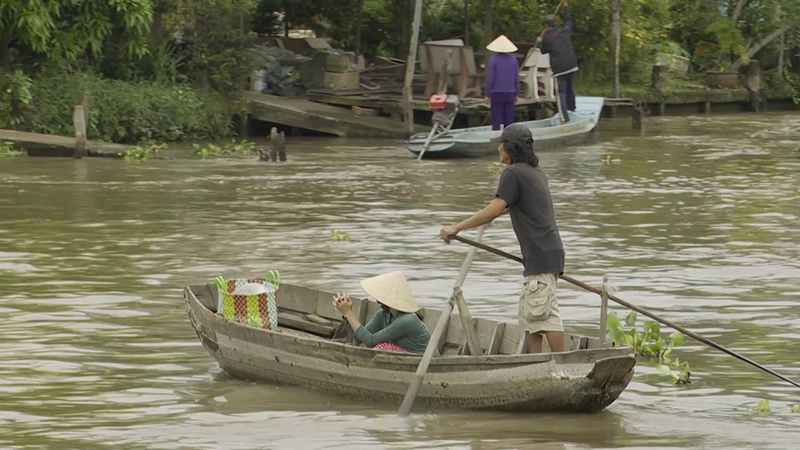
(411, 63)
(358, 29)
(617, 33)
(466, 22)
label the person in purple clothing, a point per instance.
(502, 81)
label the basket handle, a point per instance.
(221, 285)
(274, 278)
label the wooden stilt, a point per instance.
(282, 147)
(637, 119)
(79, 121)
(273, 144)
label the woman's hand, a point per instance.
(343, 303)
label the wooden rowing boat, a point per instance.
(586, 378)
(547, 133)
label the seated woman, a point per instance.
(396, 326)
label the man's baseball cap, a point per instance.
(516, 133)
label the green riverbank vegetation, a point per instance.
(173, 69)
(7, 151)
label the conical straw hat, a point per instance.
(502, 45)
(392, 290)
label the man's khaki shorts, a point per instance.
(538, 307)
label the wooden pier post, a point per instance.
(754, 84)
(637, 119)
(616, 32)
(282, 147)
(411, 64)
(85, 104)
(277, 145)
(273, 147)
(603, 310)
(79, 121)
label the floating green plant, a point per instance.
(649, 343)
(339, 235)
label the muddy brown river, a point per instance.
(697, 221)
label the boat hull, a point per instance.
(578, 381)
(547, 134)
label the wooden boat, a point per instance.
(547, 133)
(586, 378)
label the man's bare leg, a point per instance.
(534, 341)
(554, 338)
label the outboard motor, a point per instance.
(445, 108)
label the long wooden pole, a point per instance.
(616, 30)
(411, 63)
(630, 306)
(780, 55)
(358, 29)
(466, 22)
(413, 388)
(488, 25)
(555, 12)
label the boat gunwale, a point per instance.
(375, 357)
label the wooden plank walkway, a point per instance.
(389, 102)
(59, 146)
(302, 113)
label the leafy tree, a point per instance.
(64, 30)
(212, 40)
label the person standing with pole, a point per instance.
(557, 41)
(524, 192)
(502, 82)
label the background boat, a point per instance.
(547, 133)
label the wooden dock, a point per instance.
(58, 146)
(320, 117)
(472, 111)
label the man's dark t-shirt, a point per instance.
(527, 193)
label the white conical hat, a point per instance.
(502, 45)
(392, 290)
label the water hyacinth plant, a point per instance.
(7, 151)
(143, 151)
(241, 148)
(339, 235)
(649, 344)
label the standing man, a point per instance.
(502, 81)
(558, 43)
(523, 190)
